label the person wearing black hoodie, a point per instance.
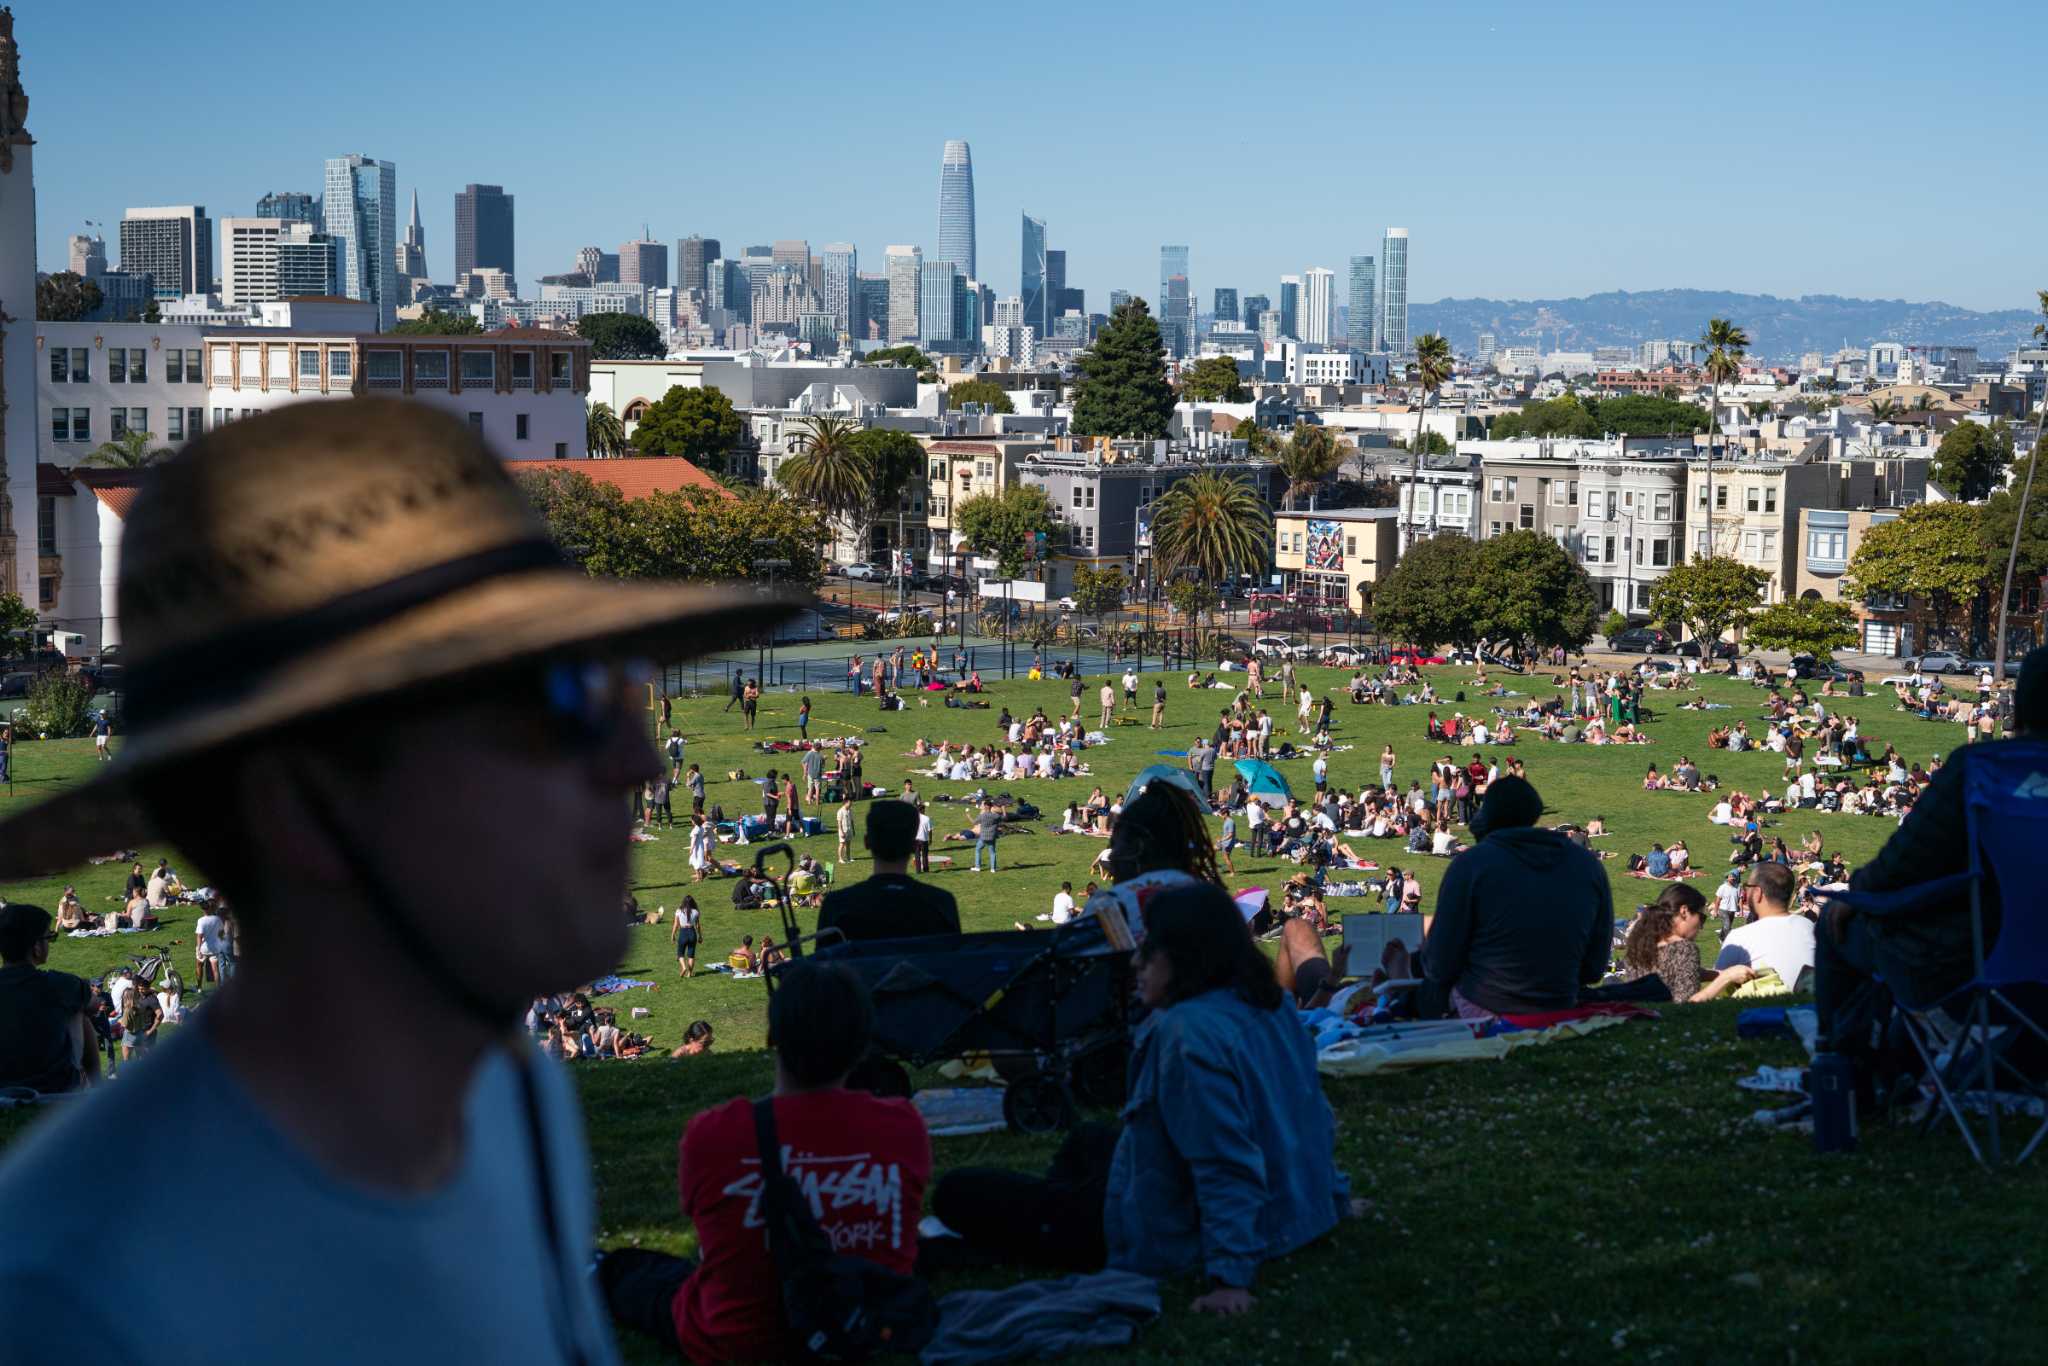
(1523, 920)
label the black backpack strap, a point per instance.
(770, 1143)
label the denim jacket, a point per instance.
(1227, 1157)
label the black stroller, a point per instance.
(1050, 1008)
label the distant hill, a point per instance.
(1779, 329)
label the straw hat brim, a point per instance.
(502, 622)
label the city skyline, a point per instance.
(1546, 231)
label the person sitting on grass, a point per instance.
(1523, 919)
(866, 1161)
(696, 1040)
(1774, 939)
(1225, 1159)
(1663, 942)
(742, 958)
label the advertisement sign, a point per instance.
(1145, 528)
(1325, 546)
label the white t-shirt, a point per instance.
(1130, 681)
(209, 931)
(1784, 942)
(924, 827)
(1321, 767)
(1254, 813)
(1062, 908)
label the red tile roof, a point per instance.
(119, 499)
(635, 477)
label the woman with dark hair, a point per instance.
(1160, 840)
(1225, 1160)
(1661, 941)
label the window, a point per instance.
(985, 469)
(477, 367)
(1642, 597)
(1575, 493)
(1592, 550)
(174, 366)
(174, 425)
(46, 590)
(519, 426)
(1558, 490)
(1770, 498)
(192, 371)
(1628, 499)
(1088, 537)
(138, 365)
(1091, 496)
(46, 525)
(1702, 499)
(138, 419)
(1493, 528)
(384, 369)
(309, 363)
(558, 367)
(1660, 552)
(1636, 542)
(117, 423)
(1720, 497)
(561, 450)
(195, 422)
(81, 424)
(1827, 545)
(1350, 545)
(522, 369)
(117, 365)
(1750, 544)
(278, 365)
(1528, 517)
(1496, 491)
(249, 364)
(430, 369)
(1612, 499)
(222, 416)
(1077, 495)
(338, 363)
(476, 422)
(1750, 499)
(1660, 507)
(1770, 550)
(1513, 485)
(1700, 543)
(223, 365)
(1608, 553)
(60, 424)
(60, 365)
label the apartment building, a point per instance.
(1754, 512)
(96, 382)
(1443, 496)
(1327, 557)
(1631, 525)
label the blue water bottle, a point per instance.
(1831, 1083)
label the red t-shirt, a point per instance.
(863, 1161)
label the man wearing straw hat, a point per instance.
(360, 679)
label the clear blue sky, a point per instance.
(1531, 150)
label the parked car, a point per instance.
(101, 677)
(1278, 647)
(1404, 657)
(1806, 666)
(863, 572)
(1645, 640)
(16, 684)
(1066, 604)
(1346, 657)
(1990, 666)
(1940, 662)
(1690, 649)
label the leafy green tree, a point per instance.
(1194, 598)
(66, 297)
(893, 459)
(1433, 443)
(986, 392)
(1213, 379)
(1931, 553)
(693, 534)
(909, 357)
(1998, 518)
(437, 322)
(1972, 459)
(1727, 347)
(1428, 598)
(1004, 526)
(604, 436)
(1566, 416)
(697, 424)
(1708, 598)
(1259, 444)
(1098, 592)
(59, 705)
(1613, 624)
(1428, 372)
(1527, 588)
(620, 336)
(587, 519)
(1122, 388)
(1214, 525)
(1812, 626)
(128, 451)
(1644, 415)
(1308, 460)
(17, 622)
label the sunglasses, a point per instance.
(591, 700)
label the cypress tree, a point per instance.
(1122, 390)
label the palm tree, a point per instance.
(1430, 370)
(1727, 346)
(1923, 403)
(2026, 491)
(603, 433)
(128, 451)
(1213, 524)
(828, 469)
(1883, 410)
(1309, 458)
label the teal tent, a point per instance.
(1166, 773)
(1263, 779)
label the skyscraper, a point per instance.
(1318, 304)
(1290, 306)
(904, 263)
(1178, 303)
(1117, 299)
(360, 210)
(1362, 308)
(88, 256)
(1226, 306)
(841, 263)
(643, 263)
(412, 248)
(1254, 307)
(263, 259)
(1394, 292)
(1036, 305)
(1176, 327)
(694, 256)
(956, 207)
(483, 230)
(793, 252)
(174, 244)
(938, 303)
(291, 206)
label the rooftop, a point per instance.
(634, 477)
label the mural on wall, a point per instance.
(1325, 547)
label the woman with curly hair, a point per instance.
(1661, 941)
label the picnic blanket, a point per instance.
(1362, 1052)
(956, 1111)
(605, 986)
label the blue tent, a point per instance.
(1263, 779)
(1166, 773)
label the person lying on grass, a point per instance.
(1225, 1160)
(866, 1161)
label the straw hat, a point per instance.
(328, 554)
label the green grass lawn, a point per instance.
(1592, 1199)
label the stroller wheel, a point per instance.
(1038, 1105)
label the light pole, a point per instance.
(766, 650)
